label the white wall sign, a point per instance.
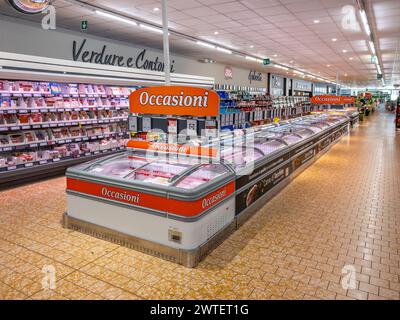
(104, 56)
(302, 85)
(255, 76)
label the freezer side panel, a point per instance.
(182, 208)
(149, 226)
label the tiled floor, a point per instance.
(342, 212)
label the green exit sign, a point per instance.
(379, 76)
(266, 61)
(84, 25)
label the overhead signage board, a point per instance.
(330, 99)
(266, 61)
(175, 100)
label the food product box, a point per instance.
(36, 118)
(16, 138)
(29, 136)
(21, 103)
(4, 139)
(41, 135)
(75, 131)
(44, 88)
(24, 118)
(4, 86)
(10, 119)
(5, 102)
(55, 88)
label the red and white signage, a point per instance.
(330, 99)
(159, 203)
(176, 100)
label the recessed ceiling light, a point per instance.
(345, 74)
(328, 65)
(291, 61)
(251, 46)
(275, 55)
(351, 58)
(216, 32)
(156, 9)
(344, 50)
(333, 39)
(316, 21)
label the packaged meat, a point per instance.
(36, 118)
(29, 136)
(4, 139)
(16, 138)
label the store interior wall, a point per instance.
(23, 37)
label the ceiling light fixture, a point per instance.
(205, 44)
(275, 55)
(334, 39)
(115, 17)
(156, 9)
(351, 58)
(364, 21)
(251, 46)
(280, 67)
(250, 58)
(150, 28)
(224, 50)
(216, 32)
(328, 65)
(372, 47)
(316, 21)
(344, 50)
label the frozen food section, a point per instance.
(172, 202)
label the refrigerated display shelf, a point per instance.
(45, 125)
(45, 143)
(52, 109)
(25, 172)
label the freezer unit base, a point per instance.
(187, 258)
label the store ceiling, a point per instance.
(287, 31)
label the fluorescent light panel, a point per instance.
(250, 58)
(372, 47)
(364, 20)
(115, 17)
(205, 44)
(280, 67)
(150, 28)
(224, 50)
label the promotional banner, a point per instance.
(329, 99)
(175, 100)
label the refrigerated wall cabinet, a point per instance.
(179, 208)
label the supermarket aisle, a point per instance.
(342, 211)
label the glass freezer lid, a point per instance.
(158, 172)
(269, 146)
(116, 167)
(240, 157)
(201, 175)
